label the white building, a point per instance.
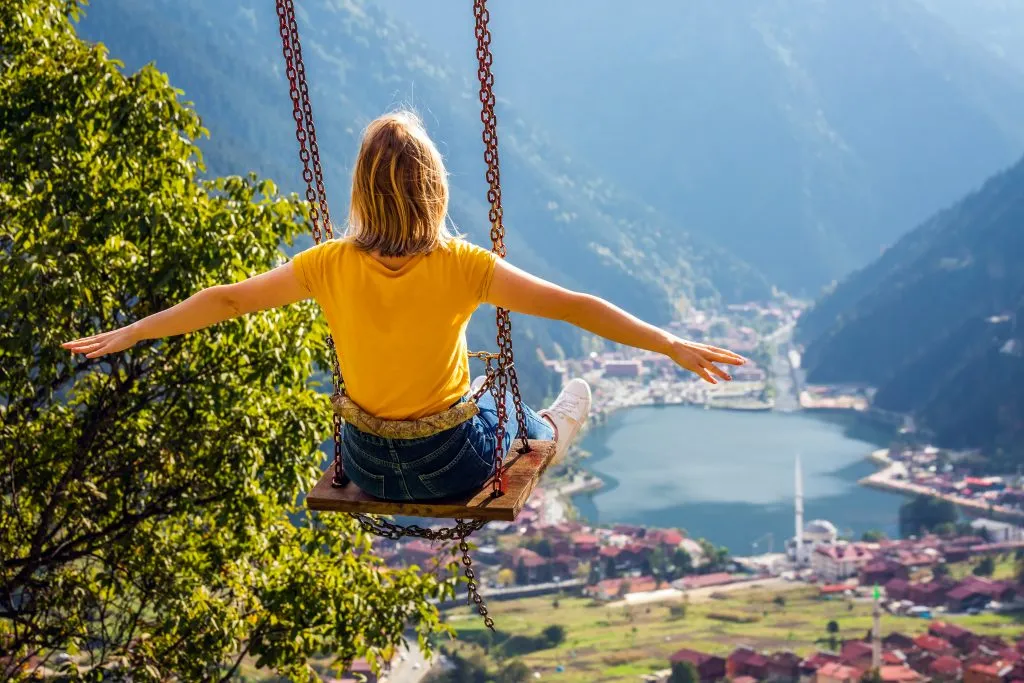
(816, 534)
(998, 532)
(837, 562)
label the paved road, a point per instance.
(406, 671)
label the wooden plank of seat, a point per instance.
(521, 475)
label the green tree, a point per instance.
(833, 631)
(986, 567)
(872, 536)
(940, 570)
(522, 574)
(514, 672)
(924, 513)
(682, 563)
(149, 517)
(684, 672)
(540, 545)
(554, 635)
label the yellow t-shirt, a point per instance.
(400, 334)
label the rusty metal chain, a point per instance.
(505, 374)
(316, 196)
(379, 526)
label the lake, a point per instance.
(728, 476)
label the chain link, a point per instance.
(505, 375)
(498, 379)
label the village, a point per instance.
(931, 579)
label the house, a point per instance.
(529, 566)
(930, 593)
(744, 661)
(833, 563)
(881, 572)
(564, 566)
(622, 368)
(987, 673)
(856, 653)
(810, 665)
(934, 645)
(896, 589)
(957, 635)
(976, 592)
(897, 641)
(670, 539)
(584, 546)
(997, 532)
(709, 667)
(833, 672)
(784, 666)
(900, 674)
(946, 668)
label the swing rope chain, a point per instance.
(499, 379)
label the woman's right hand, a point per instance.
(700, 359)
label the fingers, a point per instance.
(711, 367)
(703, 374)
(720, 355)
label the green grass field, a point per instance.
(620, 644)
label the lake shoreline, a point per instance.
(840, 475)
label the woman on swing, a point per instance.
(400, 285)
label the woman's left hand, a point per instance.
(103, 343)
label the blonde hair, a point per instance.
(399, 202)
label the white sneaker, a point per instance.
(568, 414)
(477, 383)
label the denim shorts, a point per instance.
(453, 463)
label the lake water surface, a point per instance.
(729, 476)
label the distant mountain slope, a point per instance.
(562, 221)
(935, 323)
(807, 135)
(996, 25)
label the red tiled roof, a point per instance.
(947, 665)
(745, 655)
(839, 671)
(851, 552)
(831, 589)
(897, 585)
(946, 630)
(579, 539)
(853, 650)
(932, 643)
(992, 669)
(818, 660)
(899, 673)
(744, 679)
(610, 551)
(891, 657)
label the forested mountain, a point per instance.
(563, 222)
(935, 322)
(806, 135)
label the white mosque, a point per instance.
(816, 533)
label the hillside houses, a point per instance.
(547, 552)
(946, 652)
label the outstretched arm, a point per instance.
(522, 292)
(275, 288)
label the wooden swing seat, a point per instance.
(522, 470)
